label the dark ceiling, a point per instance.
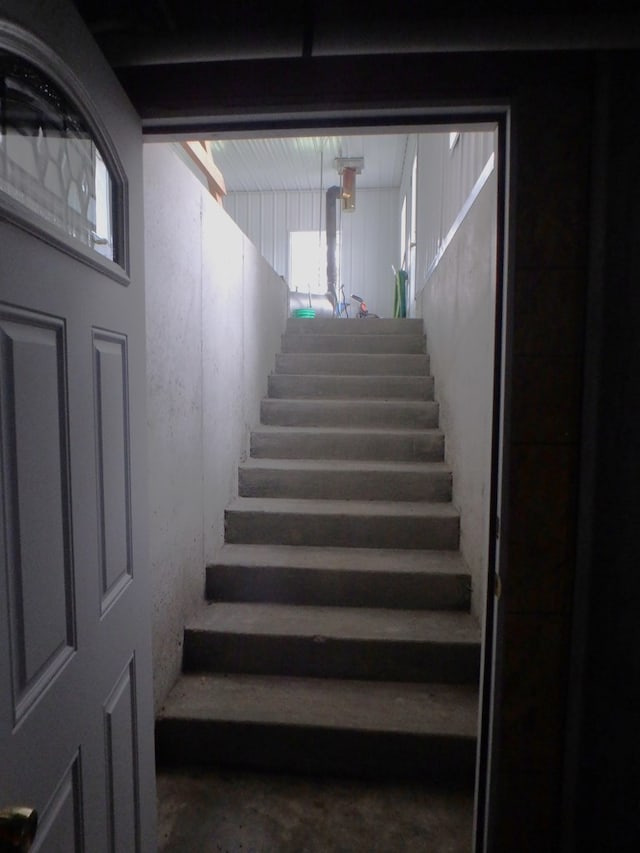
(134, 32)
(182, 61)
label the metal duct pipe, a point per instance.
(333, 194)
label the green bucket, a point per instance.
(304, 313)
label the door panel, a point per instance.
(39, 567)
(60, 826)
(76, 716)
(121, 738)
(112, 442)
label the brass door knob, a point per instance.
(18, 826)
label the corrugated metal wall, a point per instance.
(446, 177)
(370, 246)
(369, 236)
(407, 254)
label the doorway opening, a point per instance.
(468, 199)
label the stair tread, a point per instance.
(328, 342)
(390, 560)
(270, 429)
(353, 364)
(371, 357)
(355, 402)
(346, 465)
(354, 326)
(337, 623)
(344, 508)
(334, 386)
(412, 708)
(390, 412)
(333, 336)
(377, 355)
(366, 378)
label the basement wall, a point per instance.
(457, 301)
(215, 314)
(369, 242)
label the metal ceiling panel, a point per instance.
(305, 163)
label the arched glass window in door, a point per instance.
(49, 160)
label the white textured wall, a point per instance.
(458, 306)
(369, 235)
(215, 313)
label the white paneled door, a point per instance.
(76, 723)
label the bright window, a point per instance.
(308, 261)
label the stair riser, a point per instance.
(345, 485)
(288, 748)
(353, 364)
(349, 387)
(359, 446)
(341, 531)
(340, 589)
(407, 344)
(329, 413)
(336, 326)
(326, 657)
(295, 749)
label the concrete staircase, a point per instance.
(338, 636)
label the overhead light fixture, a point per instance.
(348, 168)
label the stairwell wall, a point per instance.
(215, 314)
(457, 302)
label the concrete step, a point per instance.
(334, 642)
(354, 343)
(344, 480)
(349, 728)
(353, 364)
(351, 577)
(353, 326)
(355, 524)
(282, 385)
(394, 414)
(344, 443)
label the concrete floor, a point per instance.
(242, 812)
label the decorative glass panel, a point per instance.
(49, 161)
